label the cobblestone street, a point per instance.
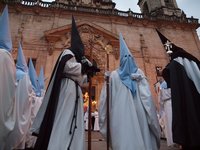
(98, 143)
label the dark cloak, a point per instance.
(185, 106)
(48, 120)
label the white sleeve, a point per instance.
(72, 67)
(102, 111)
(73, 70)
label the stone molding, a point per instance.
(100, 11)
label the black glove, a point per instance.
(89, 68)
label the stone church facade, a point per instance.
(44, 28)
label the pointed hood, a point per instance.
(127, 66)
(41, 79)
(21, 65)
(33, 78)
(21, 61)
(181, 53)
(163, 85)
(176, 51)
(77, 46)
(5, 36)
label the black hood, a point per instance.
(77, 46)
(176, 50)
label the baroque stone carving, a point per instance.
(96, 43)
(106, 4)
(50, 48)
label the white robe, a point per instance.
(7, 97)
(86, 120)
(17, 138)
(36, 103)
(133, 120)
(96, 122)
(60, 137)
(165, 100)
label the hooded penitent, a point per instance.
(127, 66)
(21, 65)
(33, 78)
(7, 83)
(131, 109)
(182, 75)
(5, 36)
(61, 109)
(24, 104)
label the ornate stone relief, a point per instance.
(20, 36)
(95, 43)
(50, 48)
(108, 4)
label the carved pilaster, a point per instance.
(66, 40)
(144, 49)
(19, 37)
(50, 48)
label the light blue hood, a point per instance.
(33, 78)
(21, 66)
(5, 36)
(127, 66)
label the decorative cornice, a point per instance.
(100, 11)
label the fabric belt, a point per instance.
(65, 75)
